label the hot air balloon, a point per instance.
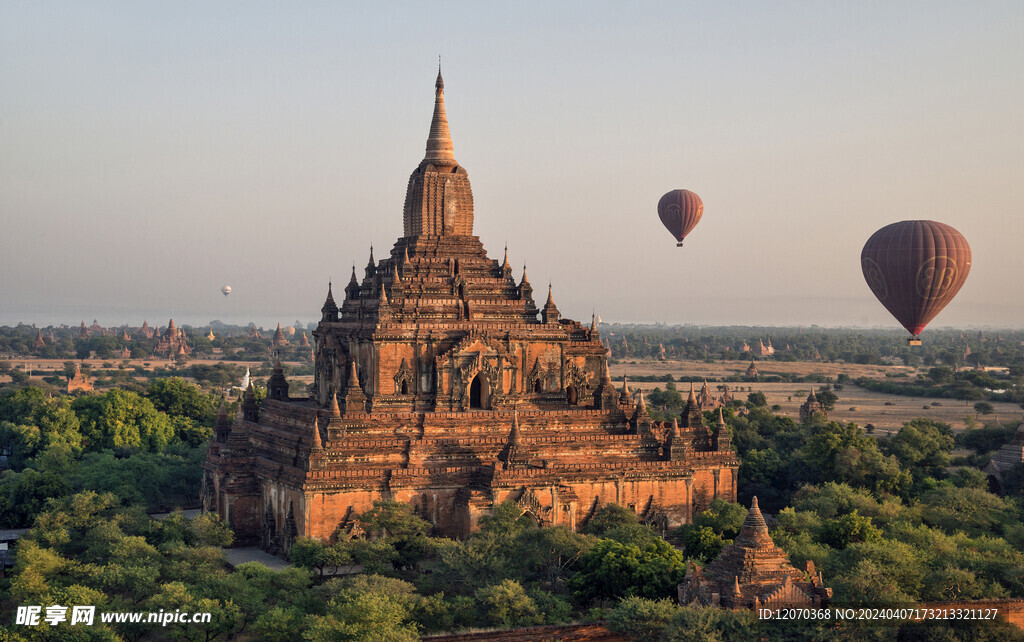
(915, 268)
(680, 211)
(226, 290)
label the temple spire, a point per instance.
(317, 443)
(439, 142)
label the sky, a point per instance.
(152, 152)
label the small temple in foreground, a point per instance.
(1006, 458)
(439, 382)
(753, 573)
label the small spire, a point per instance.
(754, 523)
(353, 280)
(625, 386)
(593, 321)
(222, 412)
(383, 295)
(513, 435)
(736, 587)
(641, 405)
(606, 376)
(525, 279)
(675, 428)
(395, 277)
(405, 256)
(691, 399)
(721, 419)
(317, 444)
(335, 408)
(353, 375)
(551, 298)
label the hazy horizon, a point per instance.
(150, 154)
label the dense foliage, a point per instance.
(145, 448)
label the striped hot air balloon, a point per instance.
(915, 268)
(680, 211)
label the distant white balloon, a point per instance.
(226, 290)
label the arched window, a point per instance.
(480, 392)
(570, 395)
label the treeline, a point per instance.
(944, 382)
(942, 346)
(234, 342)
(146, 448)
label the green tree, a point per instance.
(842, 452)
(848, 529)
(607, 517)
(757, 399)
(645, 619)
(611, 569)
(507, 604)
(365, 607)
(724, 518)
(921, 443)
(179, 398)
(122, 419)
(983, 408)
(702, 543)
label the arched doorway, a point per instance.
(570, 395)
(479, 392)
(536, 385)
(405, 387)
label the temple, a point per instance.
(440, 383)
(812, 407)
(753, 573)
(172, 343)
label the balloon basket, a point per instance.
(679, 244)
(913, 341)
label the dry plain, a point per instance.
(855, 404)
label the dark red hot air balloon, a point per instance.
(915, 268)
(680, 211)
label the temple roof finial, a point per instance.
(439, 142)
